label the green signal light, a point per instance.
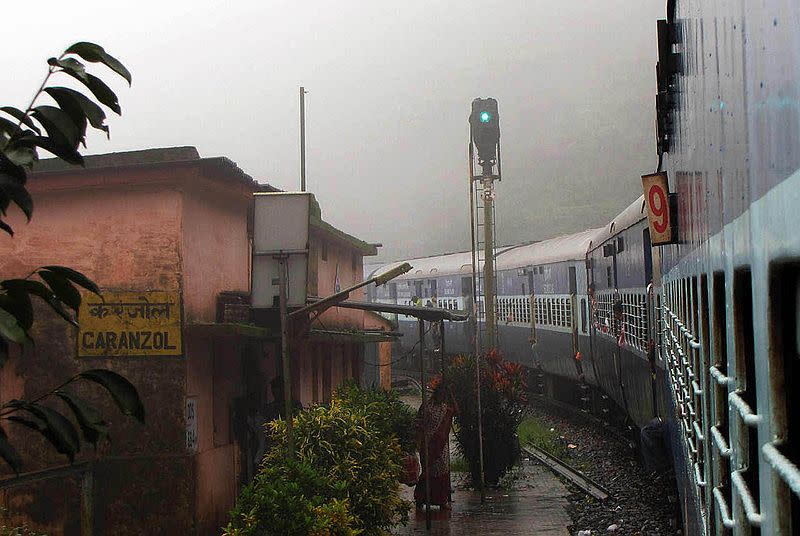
(485, 117)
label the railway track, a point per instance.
(586, 417)
(561, 468)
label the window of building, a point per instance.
(324, 251)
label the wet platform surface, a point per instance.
(534, 504)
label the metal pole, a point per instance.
(488, 261)
(287, 370)
(444, 383)
(427, 467)
(476, 341)
(302, 139)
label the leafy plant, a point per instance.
(385, 412)
(58, 128)
(345, 449)
(503, 405)
(290, 498)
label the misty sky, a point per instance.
(390, 89)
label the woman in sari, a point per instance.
(434, 424)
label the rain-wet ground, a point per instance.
(534, 503)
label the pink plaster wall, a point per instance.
(215, 245)
(341, 255)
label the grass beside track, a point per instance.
(533, 432)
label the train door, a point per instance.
(652, 319)
(574, 318)
(573, 298)
(648, 257)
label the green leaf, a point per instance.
(62, 288)
(75, 114)
(29, 286)
(19, 115)
(76, 277)
(9, 453)
(96, 54)
(59, 125)
(21, 152)
(58, 307)
(92, 425)
(100, 90)
(69, 98)
(18, 303)
(121, 390)
(17, 193)
(8, 167)
(63, 151)
(3, 351)
(54, 426)
(33, 424)
(7, 127)
(71, 66)
(38, 289)
(10, 328)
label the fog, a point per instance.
(390, 86)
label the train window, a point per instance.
(784, 363)
(745, 368)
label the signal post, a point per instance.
(484, 128)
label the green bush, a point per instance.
(340, 442)
(386, 413)
(345, 479)
(290, 498)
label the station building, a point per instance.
(167, 235)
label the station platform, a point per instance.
(535, 503)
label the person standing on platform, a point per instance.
(435, 424)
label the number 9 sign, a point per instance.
(656, 196)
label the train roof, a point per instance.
(437, 265)
(558, 249)
(633, 213)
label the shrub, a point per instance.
(386, 413)
(502, 407)
(340, 442)
(290, 498)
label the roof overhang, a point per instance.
(431, 314)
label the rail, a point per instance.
(573, 475)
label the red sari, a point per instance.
(437, 420)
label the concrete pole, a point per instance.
(302, 139)
(287, 369)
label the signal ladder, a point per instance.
(479, 259)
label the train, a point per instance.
(700, 334)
